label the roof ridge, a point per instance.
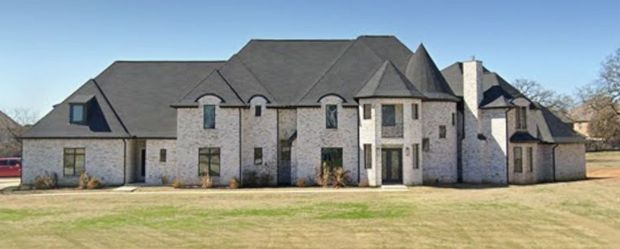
(254, 76)
(197, 84)
(229, 86)
(105, 98)
(344, 51)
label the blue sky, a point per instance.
(49, 48)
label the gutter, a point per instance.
(553, 157)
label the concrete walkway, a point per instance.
(9, 182)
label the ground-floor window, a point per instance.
(415, 155)
(209, 161)
(518, 159)
(258, 156)
(530, 159)
(331, 157)
(368, 156)
(162, 155)
(74, 160)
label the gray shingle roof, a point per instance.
(216, 85)
(387, 81)
(427, 78)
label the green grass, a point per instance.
(581, 214)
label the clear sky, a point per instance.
(49, 48)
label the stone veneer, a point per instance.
(570, 162)
(104, 159)
(440, 161)
(191, 136)
(259, 132)
(155, 169)
(312, 135)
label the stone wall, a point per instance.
(104, 159)
(494, 146)
(312, 135)
(440, 161)
(155, 168)
(191, 136)
(259, 132)
(570, 162)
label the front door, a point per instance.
(284, 165)
(392, 166)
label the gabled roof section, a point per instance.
(427, 78)
(216, 85)
(387, 81)
(552, 129)
(499, 102)
(142, 91)
(523, 137)
(243, 81)
(101, 122)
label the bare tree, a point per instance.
(609, 78)
(548, 98)
(11, 129)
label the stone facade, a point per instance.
(103, 159)
(259, 132)
(440, 161)
(570, 162)
(156, 167)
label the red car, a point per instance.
(10, 166)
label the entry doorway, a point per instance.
(142, 165)
(392, 165)
(284, 164)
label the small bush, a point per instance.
(207, 181)
(250, 179)
(233, 183)
(178, 184)
(341, 177)
(301, 182)
(265, 180)
(165, 180)
(323, 176)
(84, 179)
(94, 183)
(45, 182)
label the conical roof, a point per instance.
(387, 81)
(425, 75)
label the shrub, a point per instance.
(178, 184)
(233, 183)
(94, 183)
(84, 179)
(323, 176)
(301, 182)
(250, 179)
(45, 182)
(341, 177)
(165, 180)
(265, 179)
(207, 181)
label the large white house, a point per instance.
(289, 107)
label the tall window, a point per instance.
(388, 115)
(209, 161)
(77, 113)
(415, 155)
(518, 160)
(162, 155)
(521, 118)
(258, 156)
(442, 131)
(74, 160)
(209, 117)
(368, 156)
(414, 111)
(426, 145)
(331, 116)
(530, 159)
(367, 111)
(453, 119)
(331, 158)
(258, 111)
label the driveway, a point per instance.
(6, 182)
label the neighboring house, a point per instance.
(581, 116)
(9, 132)
(289, 107)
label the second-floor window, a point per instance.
(414, 111)
(521, 118)
(442, 131)
(209, 117)
(388, 115)
(78, 113)
(331, 116)
(258, 111)
(367, 111)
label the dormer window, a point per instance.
(258, 111)
(521, 118)
(77, 114)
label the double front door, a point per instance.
(392, 166)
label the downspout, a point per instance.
(124, 161)
(240, 149)
(507, 150)
(358, 145)
(277, 146)
(553, 158)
